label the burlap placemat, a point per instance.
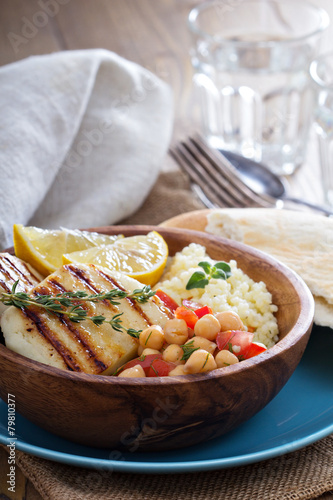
(170, 196)
(300, 475)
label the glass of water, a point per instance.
(251, 76)
(321, 71)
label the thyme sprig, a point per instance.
(70, 304)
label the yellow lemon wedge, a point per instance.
(43, 248)
(142, 257)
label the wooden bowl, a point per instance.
(169, 412)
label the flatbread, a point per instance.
(301, 240)
(323, 312)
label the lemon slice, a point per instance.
(44, 248)
(142, 257)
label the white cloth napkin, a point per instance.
(82, 137)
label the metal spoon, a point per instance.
(262, 180)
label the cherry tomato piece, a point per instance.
(144, 361)
(188, 315)
(202, 311)
(236, 341)
(160, 368)
(167, 300)
(190, 304)
(254, 350)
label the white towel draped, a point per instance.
(82, 138)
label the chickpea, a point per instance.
(202, 343)
(200, 361)
(208, 327)
(152, 337)
(229, 320)
(179, 370)
(173, 354)
(176, 331)
(147, 351)
(225, 358)
(134, 371)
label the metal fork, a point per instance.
(217, 182)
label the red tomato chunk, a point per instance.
(144, 361)
(167, 300)
(190, 304)
(188, 315)
(236, 341)
(160, 368)
(255, 349)
(202, 311)
(239, 343)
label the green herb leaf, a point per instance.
(133, 333)
(219, 274)
(197, 280)
(207, 357)
(98, 320)
(225, 267)
(143, 294)
(188, 349)
(148, 337)
(206, 266)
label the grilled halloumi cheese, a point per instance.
(81, 347)
(12, 269)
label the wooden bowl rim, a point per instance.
(301, 327)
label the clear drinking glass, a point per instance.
(251, 74)
(321, 71)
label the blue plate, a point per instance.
(301, 414)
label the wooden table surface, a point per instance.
(151, 33)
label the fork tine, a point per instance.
(224, 167)
(219, 182)
(220, 197)
(186, 163)
(222, 180)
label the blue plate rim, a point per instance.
(170, 467)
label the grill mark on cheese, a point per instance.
(12, 273)
(89, 352)
(131, 302)
(50, 336)
(4, 282)
(55, 286)
(80, 275)
(21, 273)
